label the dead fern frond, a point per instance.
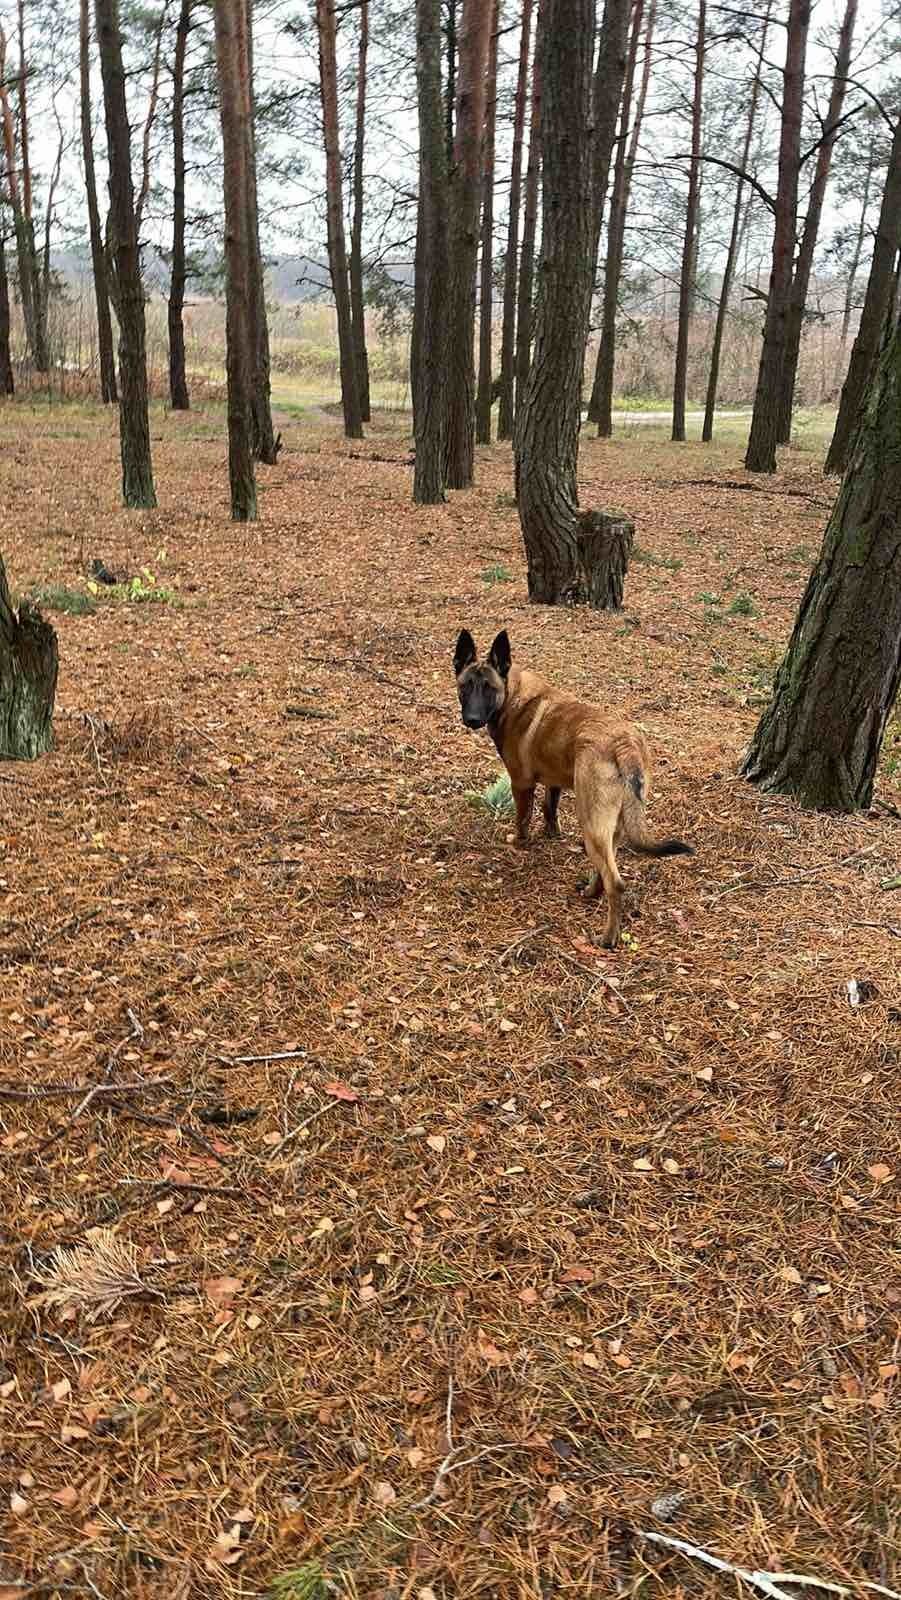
(94, 1278)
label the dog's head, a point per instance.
(481, 685)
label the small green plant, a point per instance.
(505, 500)
(719, 669)
(496, 799)
(497, 573)
(302, 1583)
(647, 558)
(55, 597)
(801, 554)
(247, 670)
(139, 590)
(742, 606)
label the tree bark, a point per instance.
(574, 558)
(233, 71)
(734, 238)
(690, 242)
(820, 738)
(801, 280)
(508, 325)
(29, 663)
(761, 452)
(430, 274)
(486, 291)
(525, 291)
(600, 405)
(265, 442)
(134, 422)
(105, 349)
(357, 310)
(609, 77)
(337, 252)
(41, 352)
(7, 380)
(877, 302)
(465, 190)
(26, 256)
(450, 87)
(179, 399)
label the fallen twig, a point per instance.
(885, 927)
(277, 1055)
(184, 1188)
(191, 1134)
(59, 1091)
(524, 938)
(452, 1461)
(767, 1582)
(293, 1132)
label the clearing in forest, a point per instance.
(625, 1221)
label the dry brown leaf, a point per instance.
(67, 1496)
(384, 1493)
(220, 1291)
(436, 1141)
(879, 1172)
(341, 1091)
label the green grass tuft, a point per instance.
(497, 573)
(56, 597)
(302, 1583)
(496, 799)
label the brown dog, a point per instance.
(546, 736)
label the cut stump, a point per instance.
(605, 546)
(29, 663)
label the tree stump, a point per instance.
(605, 546)
(29, 662)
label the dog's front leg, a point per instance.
(525, 800)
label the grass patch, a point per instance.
(497, 573)
(496, 799)
(801, 555)
(647, 558)
(302, 1583)
(742, 606)
(56, 597)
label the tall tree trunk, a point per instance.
(486, 307)
(337, 253)
(600, 405)
(134, 422)
(565, 548)
(465, 189)
(41, 351)
(690, 243)
(24, 256)
(525, 290)
(854, 264)
(761, 452)
(820, 738)
(179, 399)
(609, 77)
(98, 257)
(801, 281)
(430, 287)
(264, 440)
(450, 85)
(357, 311)
(508, 326)
(734, 242)
(233, 73)
(7, 380)
(29, 663)
(877, 302)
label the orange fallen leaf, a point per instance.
(341, 1091)
(436, 1141)
(384, 1493)
(790, 1275)
(61, 1390)
(220, 1290)
(578, 1274)
(879, 1172)
(67, 1496)
(528, 1296)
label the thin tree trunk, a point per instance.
(876, 305)
(761, 452)
(134, 422)
(486, 307)
(264, 439)
(29, 664)
(39, 301)
(859, 237)
(690, 244)
(7, 380)
(150, 119)
(24, 256)
(600, 405)
(804, 264)
(465, 190)
(233, 71)
(430, 288)
(357, 311)
(569, 553)
(179, 398)
(525, 291)
(98, 256)
(508, 326)
(337, 252)
(450, 86)
(734, 242)
(609, 77)
(820, 738)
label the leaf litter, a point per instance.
(308, 919)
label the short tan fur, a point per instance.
(544, 735)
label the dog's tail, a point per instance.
(633, 819)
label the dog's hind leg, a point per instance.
(603, 860)
(598, 806)
(551, 802)
(525, 800)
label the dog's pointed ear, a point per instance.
(499, 654)
(465, 651)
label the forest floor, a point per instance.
(506, 1253)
